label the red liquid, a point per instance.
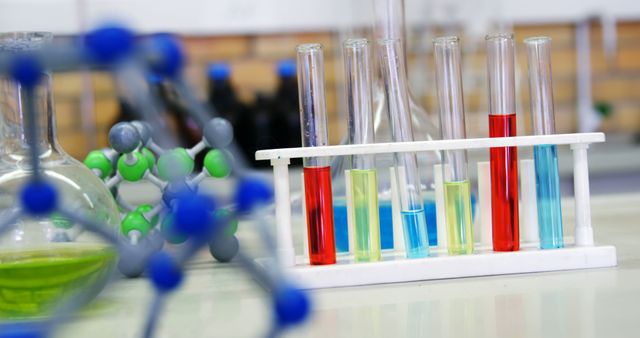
(504, 186)
(319, 205)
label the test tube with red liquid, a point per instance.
(503, 160)
(317, 171)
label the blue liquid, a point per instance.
(548, 196)
(416, 240)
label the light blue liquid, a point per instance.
(548, 196)
(416, 239)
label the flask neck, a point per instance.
(15, 138)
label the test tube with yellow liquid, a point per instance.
(457, 190)
(364, 181)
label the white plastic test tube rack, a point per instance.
(394, 267)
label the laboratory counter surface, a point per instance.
(219, 300)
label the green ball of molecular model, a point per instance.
(133, 166)
(175, 164)
(216, 164)
(98, 162)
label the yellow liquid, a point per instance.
(364, 189)
(34, 281)
(457, 196)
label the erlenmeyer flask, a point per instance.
(389, 23)
(43, 261)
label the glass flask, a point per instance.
(389, 23)
(46, 260)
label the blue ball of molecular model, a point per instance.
(39, 197)
(291, 305)
(194, 215)
(109, 44)
(26, 70)
(165, 55)
(164, 272)
(252, 192)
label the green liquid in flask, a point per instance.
(457, 196)
(33, 281)
(364, 189)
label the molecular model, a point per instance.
(184, 215)
(172, 174)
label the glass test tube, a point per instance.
(457, 190)
(503, 161)
(317, 171)
(364, 181)
(408, 180)
(545, 156)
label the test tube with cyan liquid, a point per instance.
(412, 212)
(545, 156)
(317, 171)
(457, 190)
(364, 181)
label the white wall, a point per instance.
(255, 16)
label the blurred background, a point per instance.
(240, 55)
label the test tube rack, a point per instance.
(581, 253)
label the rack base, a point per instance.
(395, 269)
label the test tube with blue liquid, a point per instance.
(457, 190)
(394, 76)
(364, 181)
(317, 170)
(545, 156)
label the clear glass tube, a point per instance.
(313, 111)
(540, 87)
(545, 156)
(457, 189)
(389, 19)
(408, 179)
(359, 98)
(317, 172)
(503, 161)
(364, 180)
(449, 86)
(500, 73)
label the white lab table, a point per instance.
(218, 300)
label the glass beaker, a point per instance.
(45, 260)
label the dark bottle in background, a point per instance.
(263, 132)
(221, 93)
(176, 113)
(286, 116)
(223, 99)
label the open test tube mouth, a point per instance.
(356, 43)
(537, 40)
(499, 37)
(309, 48)
(446, 40)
